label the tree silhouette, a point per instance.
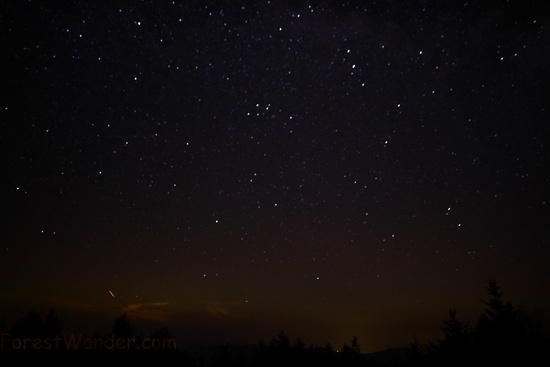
(122, 328)
(279, 349)
(503, 335)
(33, 326)
(162, 334)
(281, 342)
(281, 352)
(416, 354)
(30, 326)
(52, 324)
(351, 354)
(455, 348)
(455, 331)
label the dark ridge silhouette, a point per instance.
(502, 335)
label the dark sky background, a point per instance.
(230, 169)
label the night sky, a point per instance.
(230, 169)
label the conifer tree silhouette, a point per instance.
(34, 326)
(122, 328)
(455, 348)
(505, 334)
(52, 324)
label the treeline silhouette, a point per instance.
(502, 335)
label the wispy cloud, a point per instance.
(225, 309)
(150, 311)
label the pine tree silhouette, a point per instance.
(503, 335)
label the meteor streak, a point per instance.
(112, 294)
